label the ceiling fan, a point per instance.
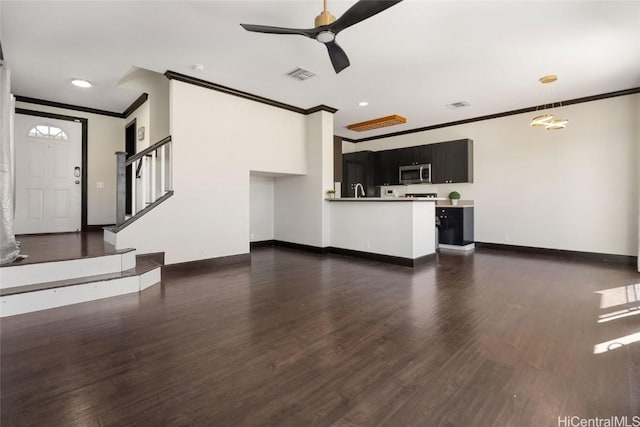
(327, 27)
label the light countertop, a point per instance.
(461, 204)
(385, 199)
(441, 202)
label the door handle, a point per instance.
(76, 172)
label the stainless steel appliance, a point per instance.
(422, 195)
(415, 174)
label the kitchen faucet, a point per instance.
(361, 190)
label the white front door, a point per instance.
(48, 175)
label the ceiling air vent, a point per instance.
(301, 74)
(458, 104)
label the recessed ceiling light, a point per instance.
(81, 83)
(363, 103)
(198, 67)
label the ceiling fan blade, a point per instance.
(338, 57)
(360, 11)
(279, 30)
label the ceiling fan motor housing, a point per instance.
(325, 18)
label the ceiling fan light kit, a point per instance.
(327, 27)
(381, 122)
(81, 83)
(547, 119)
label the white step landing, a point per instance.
(29, 287)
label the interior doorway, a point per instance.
(130, 148)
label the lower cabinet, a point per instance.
(456, 225)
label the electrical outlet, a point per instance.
(506, 237)
(368, 245)
(201, 251)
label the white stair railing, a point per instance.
(151, 181)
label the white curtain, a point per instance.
(9, 250)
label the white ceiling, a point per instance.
(410, 60)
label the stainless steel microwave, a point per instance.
(415, 174)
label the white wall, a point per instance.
(261, 207)
(301, 213)
(156, 85)
(217, 140)
(575, 189)
(105, 137)
(141, 116)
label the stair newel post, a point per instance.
(121, 186)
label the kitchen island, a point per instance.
(396, 230)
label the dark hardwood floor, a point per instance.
(489, 339)
(62, 246)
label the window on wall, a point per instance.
(49, 132)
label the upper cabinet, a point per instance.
(357, 168)
(420, 155)
(388, 162)
(452, 162)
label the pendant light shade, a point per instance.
(541, 120)
(557, 124)
(547, 119)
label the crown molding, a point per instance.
(68, 106)
(497, 115)
(135, 105)
(172, 75)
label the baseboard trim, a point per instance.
(562, 253)
(462, 248)
(97, 227)
(205, 264)
(390, 259)
(261, 243)
(302, 247)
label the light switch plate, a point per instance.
(99, 184)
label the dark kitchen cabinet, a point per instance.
(386, 167)
(358, 168)
(421, 155)
(452, 162)
(456, 225)
(418, 155)
(387, 163)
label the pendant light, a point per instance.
(547, 119)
